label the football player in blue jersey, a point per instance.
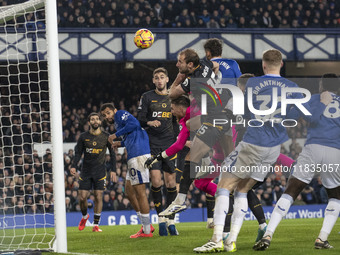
(136, 141)
(229, 68)
(320, 154)
(259, 149)
(230, 72)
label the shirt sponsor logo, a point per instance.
(93, 151)
(161, 114)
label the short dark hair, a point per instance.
(244, 78)
(190, 55)
(214, 45)
(107, 105)
(160, 70)
(330, 82)
(182, 100)
(92, 114)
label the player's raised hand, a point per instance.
(326, 97)
(111, 138)
(73, 171)
(113, 176)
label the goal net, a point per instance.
(27, 199)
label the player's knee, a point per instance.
(170, 184)
(99, 196)
(156, 183)
(141, 196)
(170, 181)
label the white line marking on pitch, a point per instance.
(75, 253)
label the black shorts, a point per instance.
(180, 163)
(166, 165)
(210, 134)
(87, 183)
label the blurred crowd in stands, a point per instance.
(193, 13)
(199, 13)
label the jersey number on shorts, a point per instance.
(133, 172)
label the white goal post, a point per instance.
(32, 210)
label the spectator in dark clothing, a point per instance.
(242, 22)
(212, 24)
(266, 20)
(169, 12)
(267, 199)
(238, 11)
(277, 192)
(107, 203)
(308, 195)
(315, 23)
(253, 11)
(201, 23)
(222, 23)
(276, 19)
(205, 16)
(231, 24)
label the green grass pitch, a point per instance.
(291, 237)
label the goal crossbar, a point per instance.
(12, 11)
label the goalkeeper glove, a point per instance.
(154, 159)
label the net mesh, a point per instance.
(26, 190)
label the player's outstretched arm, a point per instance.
(176, 90)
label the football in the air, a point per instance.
(143, 38)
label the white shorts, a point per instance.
(250, 161)
(137, 173)
(321, 160)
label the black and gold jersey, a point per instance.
(154, 106)
(94, 149)
(202, 82)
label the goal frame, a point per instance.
(12, 11)
(56, 125)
